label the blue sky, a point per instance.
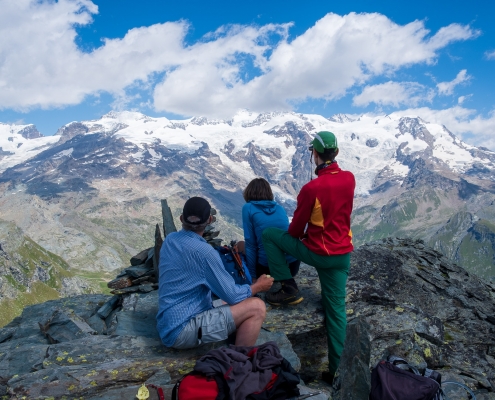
(79, 59)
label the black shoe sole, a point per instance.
(290, 301)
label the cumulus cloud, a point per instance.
(490, 55)
(41, 65)
(394, 94)
(462, 99)
(464, 122)
(254, 67)
(447, 88)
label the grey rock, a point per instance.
(283, 344)
(132, 323)
(161, 378)
(97, 324)
(353, 379)
(6, 334)
(138, 271)
(323, 394)
(63, 327)
(84, 306)
(143, 288)
(21, 360)
(105, 310)
(140, 258)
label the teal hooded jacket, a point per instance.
(256, 217)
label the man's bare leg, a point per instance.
(248, 316)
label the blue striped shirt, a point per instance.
(190, 270)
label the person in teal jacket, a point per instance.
(261, 212)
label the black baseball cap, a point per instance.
(196, 211)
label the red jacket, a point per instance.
(324, 205)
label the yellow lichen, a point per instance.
(427, 352)
(350, 311)
(60, 358)
(71, 387)
(398, 341)
(399, 309)
(70, 360)
(93, 383)
(92, 373)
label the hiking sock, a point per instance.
(290, 282)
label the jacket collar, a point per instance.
(332, 168)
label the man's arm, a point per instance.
(262, 284)
(219, 280)
(302, 215)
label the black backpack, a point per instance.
(395, 379)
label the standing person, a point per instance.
(261, 212)
(319, 235)
(190, 270)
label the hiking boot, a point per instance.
(287, 294)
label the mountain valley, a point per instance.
(91, 193)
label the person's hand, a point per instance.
(263, 283)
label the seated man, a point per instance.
(190, 270)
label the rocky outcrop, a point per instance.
(30, 132)
(30, 274)
(404, 298)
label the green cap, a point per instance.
(324, 141)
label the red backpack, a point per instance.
(195, 386)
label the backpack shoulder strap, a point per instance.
(473, 397)
(175, 390)
(402, 364)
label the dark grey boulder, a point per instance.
(64, 326)
(140, 258)
(353, 378)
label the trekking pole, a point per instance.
(237, 259)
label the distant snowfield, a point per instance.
(367, 143)
(15, 149)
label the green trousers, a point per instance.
(332, 271)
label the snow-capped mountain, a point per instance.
(18, 143)
(412, 176)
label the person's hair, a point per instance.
(258, 189)
(328, 155)
(194, 228)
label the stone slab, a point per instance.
(62, 326)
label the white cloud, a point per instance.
(490, 55)
(463, 122)
(462, 99)
(41, 66)
(447, 88)
(394, 94)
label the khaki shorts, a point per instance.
(212, 325)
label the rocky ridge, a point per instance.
(30, 274)
(414, 301)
